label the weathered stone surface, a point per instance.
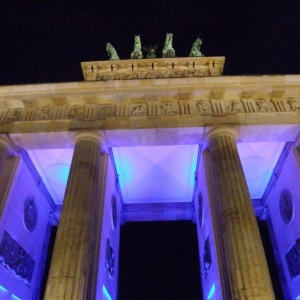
(150, 103)
(14, 258)
(247, 267)
(173, 67)
(72, 273)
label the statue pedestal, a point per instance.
(153, 68)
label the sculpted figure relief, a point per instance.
(137, 50)
(195, 51)
(168, 50)
(111, 51)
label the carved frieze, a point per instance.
(168, 108)
(44, 113)
(109, 259)
(138, 110)
(15, 259)
(234, 107)
(293, 259)
(202, 107)
(264, 106)
(75, 112)
(207, 257)
(217, 107)
(135, 106)
(13, 115)
(249, 105)
(293, 104)
(105, 111)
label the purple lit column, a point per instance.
(74, 265)
(246, 263)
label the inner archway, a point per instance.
(159, 260)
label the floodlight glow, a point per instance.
(298, 297)
(59, 173)
(3, 289)
(152, 174)
(106, 293)
(211, 292)
(15, 297)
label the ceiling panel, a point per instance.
(53, 165)
(258, 161)
(153, 174)
(157, 173)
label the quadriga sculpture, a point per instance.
(137, 50)
(111, 51)
(195, 51)
(151, 51)
(168, 50)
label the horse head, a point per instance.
(108, 47)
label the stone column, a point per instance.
(8, 165)
(246, 263)
(73, 270)
(4, 151)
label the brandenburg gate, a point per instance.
(152, 139)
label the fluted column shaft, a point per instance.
(8, 166)
(246, 263)
(72, 274)
(4, 151)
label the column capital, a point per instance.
(218, 131)
(89, 135)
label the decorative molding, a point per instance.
(109, 259)
(113, 110)
(171, 102)
(30, 214)
(207, 261)
(114, 212)
(286, 206)
(14, 258)
(293, 259)
(153, 68)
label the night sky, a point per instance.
(45, 41)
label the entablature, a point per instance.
(151, 103)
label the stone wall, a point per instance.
(23, 229)
(210, 279)
(284, 225)
(110, 240)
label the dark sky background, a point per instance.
(45, 41)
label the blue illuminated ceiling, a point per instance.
(158, 174)
(53, 166)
